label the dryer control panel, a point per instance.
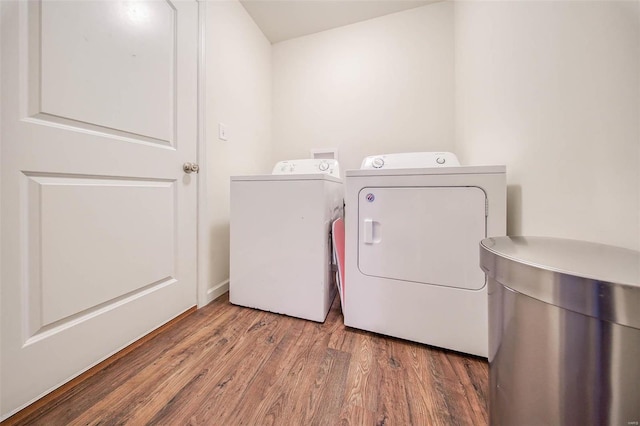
(307, 166)
(410, 160)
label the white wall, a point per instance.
(378, 86)
(238, 94)
(552, 90)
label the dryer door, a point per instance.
(427, 235)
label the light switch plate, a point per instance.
(223, 133)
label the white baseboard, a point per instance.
(216, 291)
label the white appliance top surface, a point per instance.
(410, 160)
(284, 178)
(458, 170)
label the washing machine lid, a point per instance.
(410, 160)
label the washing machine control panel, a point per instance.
(410, 160)
(377, 162)
(307, 166)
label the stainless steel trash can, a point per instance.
(564, 332)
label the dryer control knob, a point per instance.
(440, 160)
(377, 162)
(323, 166)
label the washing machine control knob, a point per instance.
(377, 162)
(440, 160)
(323, 166)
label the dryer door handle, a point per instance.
(371, 231)
(368, 231)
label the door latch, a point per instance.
(190, 168)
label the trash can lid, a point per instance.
(593, 279)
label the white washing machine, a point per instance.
(280, 258)
(414, 222)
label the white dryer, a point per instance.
(280, 258)
(414, 222)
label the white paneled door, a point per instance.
(98, 217)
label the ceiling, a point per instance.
(284, 19)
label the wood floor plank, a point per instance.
(329, 387)
(222, 389)
(209, 377)
(273, 408)
(354, 415)
(229, 365)
(57, 409)
(450, 386)
(258, 370)
(88, 397)
(237, 380)
(148, 385)
(310, 371)
(362, 387)
(428, 404)
(470, 373)
(263, 403)
(393, 405)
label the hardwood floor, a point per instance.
(228, 365)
